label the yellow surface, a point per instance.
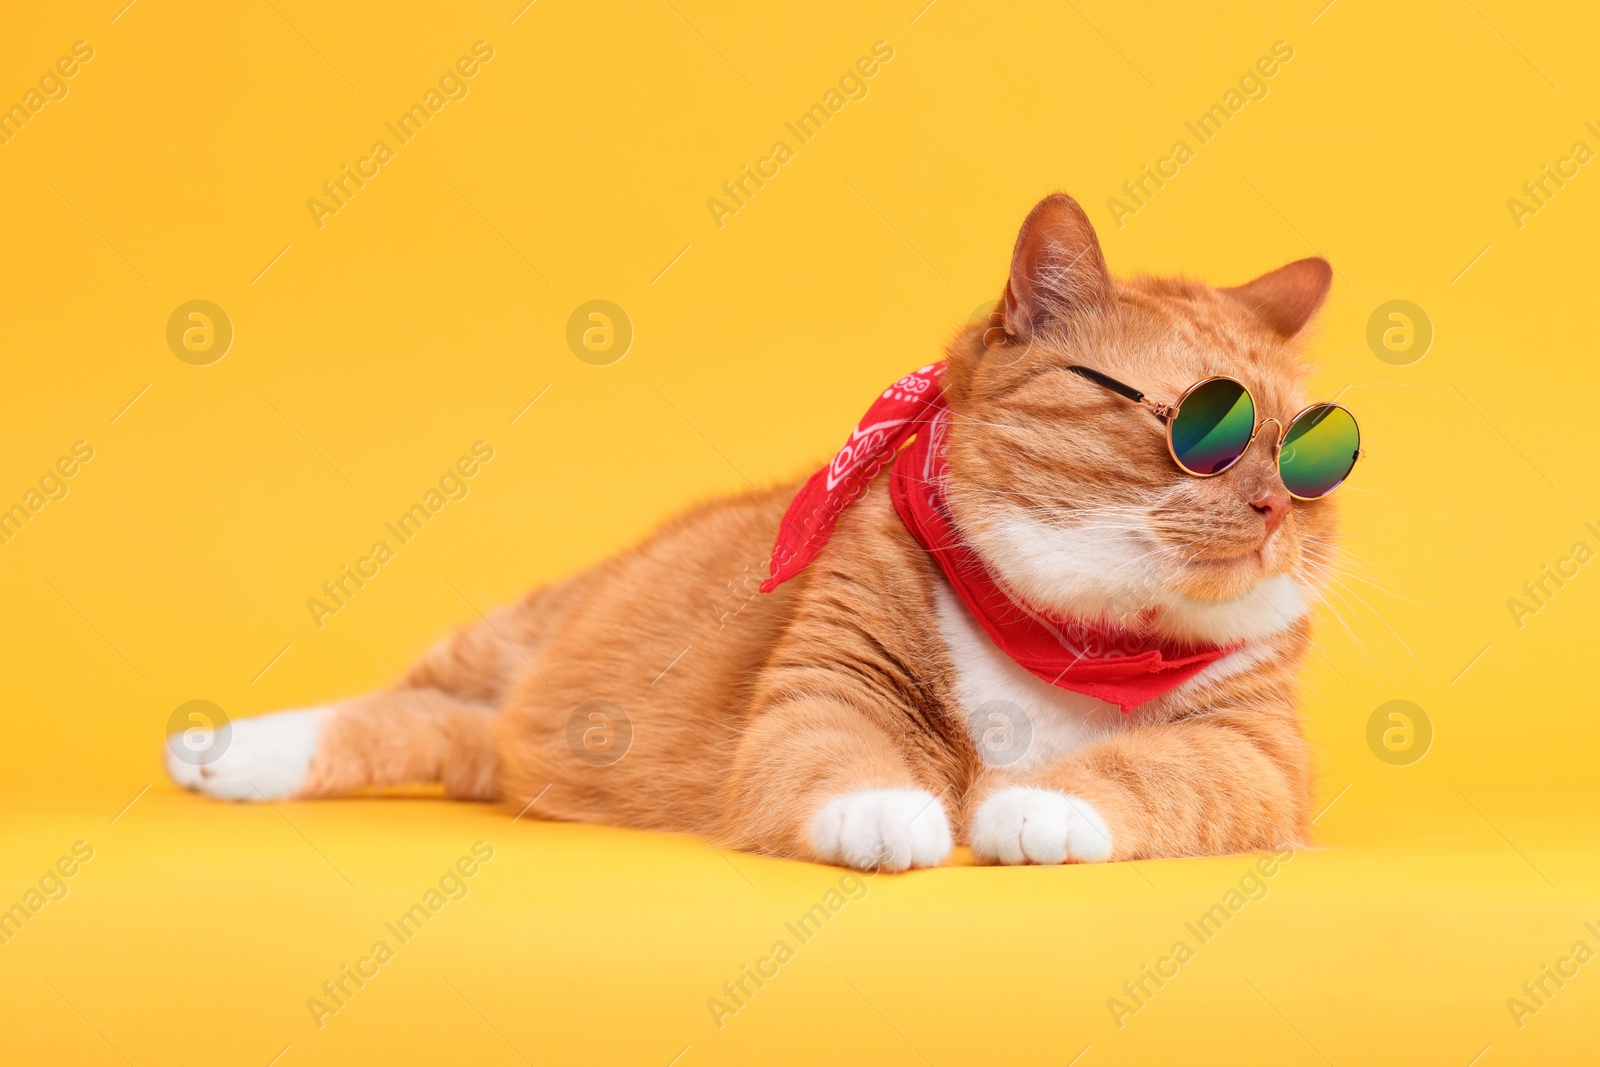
(432, 308)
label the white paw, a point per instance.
(1024, 825)
(249, 759)
(882, 829)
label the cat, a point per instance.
(860, 712)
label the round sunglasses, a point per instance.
(1214, 423)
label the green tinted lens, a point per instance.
(1319, 450)
(1213, 426)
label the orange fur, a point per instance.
(749, 713)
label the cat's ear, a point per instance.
(1287, 298)
(1057, 269)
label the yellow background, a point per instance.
(432, 309)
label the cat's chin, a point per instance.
(1219, 579)
(1111, 574)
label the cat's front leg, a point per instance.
(1189, 788)
(814, 778)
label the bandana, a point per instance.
(1120, 666)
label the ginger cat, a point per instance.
(859, 713)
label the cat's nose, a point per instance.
(1272, 501)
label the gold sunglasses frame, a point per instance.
(1168, 414)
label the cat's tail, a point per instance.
(398, 737)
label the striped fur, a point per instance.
(813, 721)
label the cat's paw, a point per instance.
(1027, 825)
(264, 758)
(882, 829)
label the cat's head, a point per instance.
(1068, 490)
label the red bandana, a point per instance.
(1120, 666)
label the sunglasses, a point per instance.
(1214, 422)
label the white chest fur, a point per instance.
(1015, 719)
